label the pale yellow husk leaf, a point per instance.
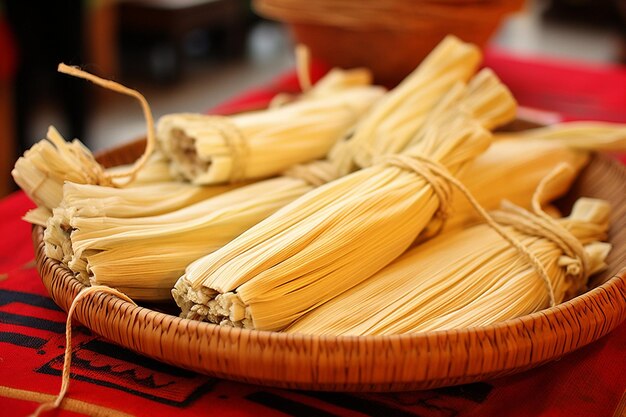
(209, 149)
(462, 279)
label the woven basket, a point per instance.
(390, 37)
(372, 363)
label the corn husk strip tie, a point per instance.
(150, 133)
(437, 175)
(67, 361)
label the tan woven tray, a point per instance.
(373, 363)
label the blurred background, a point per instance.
(190, 55)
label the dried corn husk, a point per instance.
(521, 162)
(578, 135)
(396, 119)
(38, 216)
(511, 169)
(487, 282)
(41, 163)
(510, 159)
(484, 94)
(215, 149)
(144, 256)
(334, 81)
(328, 240)
(84, 200)
(339, 79)
(156, 169)
(44, 168)
(168, 195)
(76, 216)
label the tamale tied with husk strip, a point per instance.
(47, 165)
(502, 160)
(398, 117)
(208, 149)
(91, 235)
(212, 303)
(330, 239)
(143, 256)
(487, 281)
(44, 168)
(212, 287)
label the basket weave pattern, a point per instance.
(372, 363)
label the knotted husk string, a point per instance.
(236, 143)
(434, 173)
(259, 262)
(314, 173)
(576, 260)
(441, 180)
(423, 291)
(67, 361)
(105, 178)
(91, 168)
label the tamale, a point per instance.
(396, 119)
(118, 233)
(143, 256)
(606, 136)
(44, 168)
(471, 277)
(330, 239)
(215, 149)
(503, 160)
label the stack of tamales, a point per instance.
(388, 234)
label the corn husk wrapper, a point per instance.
(511, 170)
(601, 136)
(85, 200)
(156, 170)
(336, 80)
(509, 159)
(398, 117)
(487, 281)
(483, 92)
(144, 256)
(326, 241)
(227, 306)
(44, 168)
(300, 179)
(211, 149)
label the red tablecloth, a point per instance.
(110, 381)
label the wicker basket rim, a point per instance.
(359, 363)
(570, 305)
